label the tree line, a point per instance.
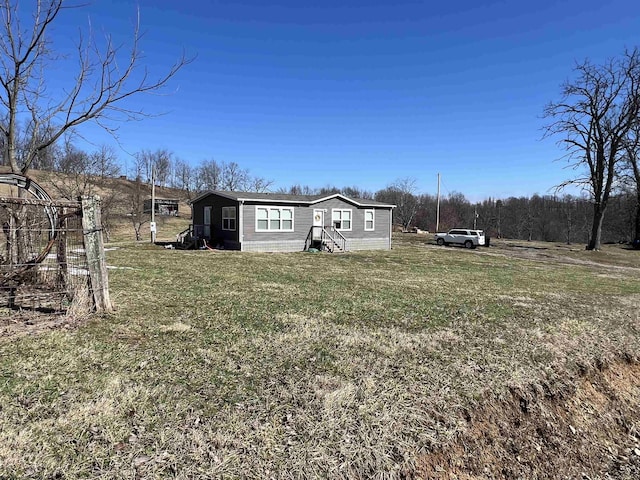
(162, 164)
(557, 218)
(551, 218)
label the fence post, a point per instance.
(94, 248)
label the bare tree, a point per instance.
(138, 192)
(298, 190)
(44, 160)
(355, 192)
(544, 218)
(401, 193)
(594, 116)
(156, 163)
(631, 169)
(328, 190)
(106, 77)
(139, 169)
(163, 163)
(213, 175)
(105, 162)
(499, 206)
(73, 169)
(234, 178)
(184, 177)
(72, 160)
(568, 208)
(425, 217)
(209, 176)
(258, 184)
(78, 174)
(82, 172)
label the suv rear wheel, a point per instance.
(468, 244)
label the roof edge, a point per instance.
(246, 197)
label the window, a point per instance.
(369, 224)
(228, 218)
(287, 219)
(274, 219)
(341, 219)
(207, 222)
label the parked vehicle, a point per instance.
(461, 236)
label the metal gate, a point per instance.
(43, 255)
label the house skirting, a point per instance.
(273, 246)
(297, 245)
(368, 243)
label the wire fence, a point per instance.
(43, 262)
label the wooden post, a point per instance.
(94, 248)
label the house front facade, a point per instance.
(268, 222)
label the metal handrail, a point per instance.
(342, 237)
(327, 239)
(325, 236)
(309, 239)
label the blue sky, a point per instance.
(362, 93)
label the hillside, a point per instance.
(119, 197)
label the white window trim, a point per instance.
(350, 218)
(227, 217)
(373, 213)
(268, 209)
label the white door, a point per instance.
(318, 223)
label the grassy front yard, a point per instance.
(225, 364)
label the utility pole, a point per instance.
(475, 217)
(152, 225)
(499, 207)
(438, 207)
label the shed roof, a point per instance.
(288, 198)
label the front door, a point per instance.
(318, 223)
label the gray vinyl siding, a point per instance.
(302, 221)
(381, 219)
(357, 238)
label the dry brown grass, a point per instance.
(233, 365)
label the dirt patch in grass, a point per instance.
(614, 257)
(19, 323)
(590, 428)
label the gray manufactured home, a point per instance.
(272, 222)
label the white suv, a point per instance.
(461, 236)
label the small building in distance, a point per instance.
(164, 206)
